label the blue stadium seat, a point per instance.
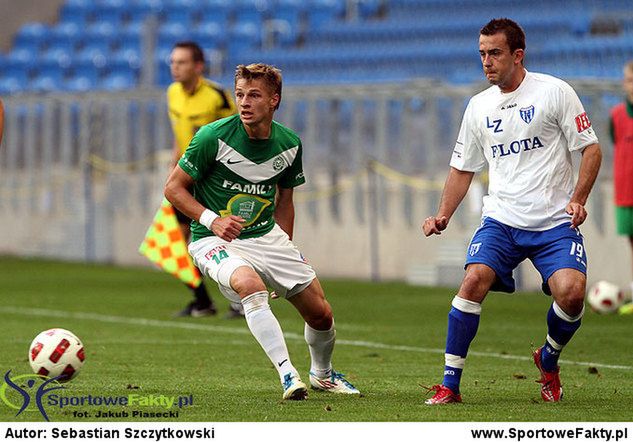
(250, 11)
(368, 8)
(170, 33)
(90, 62)
(209, 35)
(243, 36)
(289, 10)
(79, 15)
(11, 85)
(101, 37)
(178, 11)
(46, 83)
(216, 11)
(114, 14)
(31, 36)
(56, 58)
(64, 35)
(118, 82)
(80, 84)
(139, 10)
(19, 63)
(324, 11)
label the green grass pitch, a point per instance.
(390, 340)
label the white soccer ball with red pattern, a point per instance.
(605, 297)
(57, 352)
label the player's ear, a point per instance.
(199, 67)
(274, 100)
(518, 56)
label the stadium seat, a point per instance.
(11, 85)
(80, 84)
(243, 36)
(216, 11)
(170, 33)
(209, 35)
(19, 63)
(368, 8)
(289, 10)
(46, 83)
(250, 11)
(65, 36)
(139, 10)
(31, 36)
(118, 82)
(323, 11)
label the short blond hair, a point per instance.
(270, 74)
(629, 66)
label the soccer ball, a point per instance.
(605, 297)
(57, 352)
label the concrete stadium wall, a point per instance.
(341, 248)
(13, 16)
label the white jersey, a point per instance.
(527, 137)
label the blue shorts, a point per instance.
(503, 248)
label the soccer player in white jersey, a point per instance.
(526, 126)
(242, 171)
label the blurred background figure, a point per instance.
(1, 121)
(194, 101)
(621, 130)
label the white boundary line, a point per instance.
(24, 311)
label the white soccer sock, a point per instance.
(265, 327)
(321, 345)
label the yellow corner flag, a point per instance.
(165, 246)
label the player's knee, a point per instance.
(573, 298)
(321, 318)
(246, 283)
(474, 286)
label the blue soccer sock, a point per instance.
(463, 321)
(560, 329)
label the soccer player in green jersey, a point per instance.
(236, 181)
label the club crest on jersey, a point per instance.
(278, 163)
(527, 113)
(474, 248)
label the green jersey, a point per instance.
(237, 175)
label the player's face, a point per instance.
(255, 101)
(627, 83)
(499, 63)
(182, 66)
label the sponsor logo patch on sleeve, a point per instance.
(582, 122)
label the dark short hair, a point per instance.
(270, 74)
(513, 32)
(196, 50)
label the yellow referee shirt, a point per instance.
(189, 112)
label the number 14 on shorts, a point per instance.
(217, 254)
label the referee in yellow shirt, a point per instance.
(194, 101)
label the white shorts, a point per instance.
(273, 256)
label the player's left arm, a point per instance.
(589, 168)
(285, 209)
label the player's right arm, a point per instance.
(467, 159)
(194, 165)
(455, 188)
(177, 193)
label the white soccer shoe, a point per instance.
(335, 383)
(294, 389)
